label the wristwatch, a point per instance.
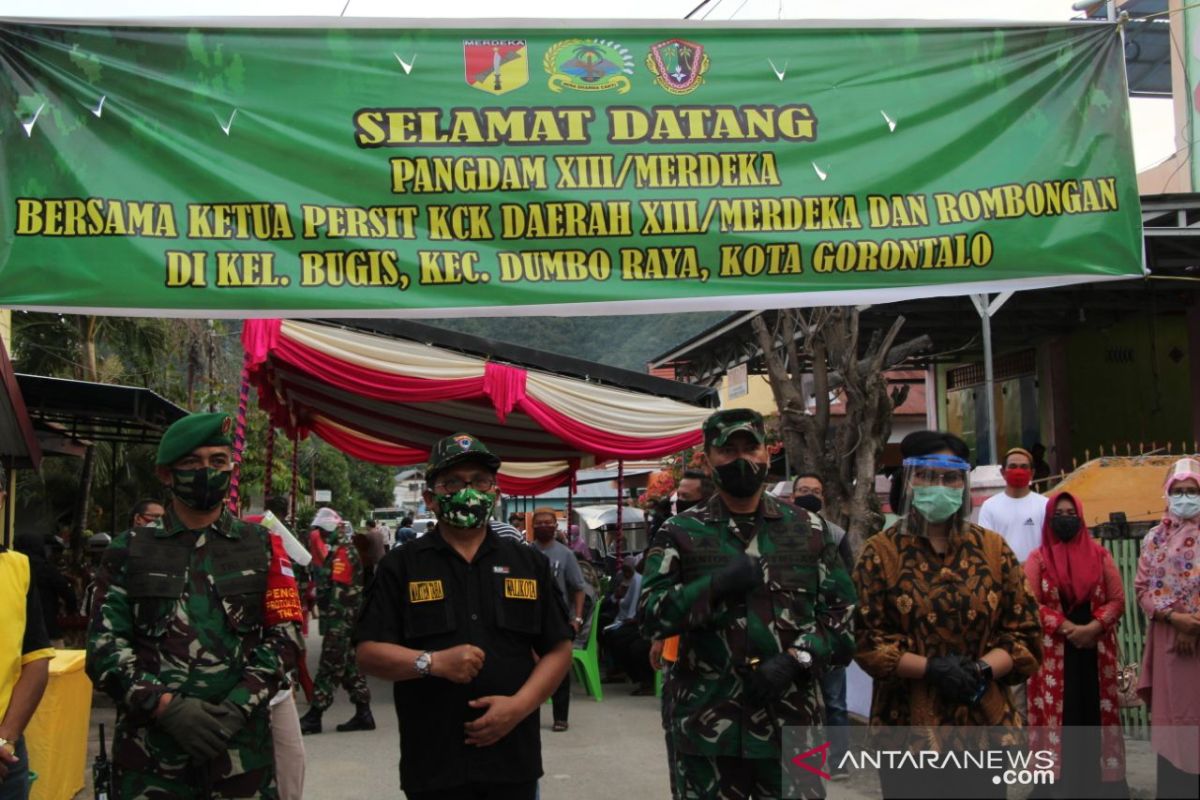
(803, 657)
(424, 663)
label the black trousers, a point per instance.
(481, 791)
(560, 701)
(631, 652)
(1174, 782)
(907, 782)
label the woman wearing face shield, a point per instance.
(944, 622)
(1168, 590)
(1074, 706)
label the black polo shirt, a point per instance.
(426, 597)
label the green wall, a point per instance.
(1129, 383)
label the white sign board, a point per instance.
(323, 496)
(738, 386)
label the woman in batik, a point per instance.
(1074, 710)
(944, 624)
(1168, 590)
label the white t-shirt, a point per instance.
(1019, 521)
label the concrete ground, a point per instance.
(614, 750)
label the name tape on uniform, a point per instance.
(520, 588)
(425, 591)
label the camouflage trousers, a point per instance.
(729, 778)
(149, 765)
(338, 668)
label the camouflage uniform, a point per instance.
(182, 611)
(344, 601)
(728, 746)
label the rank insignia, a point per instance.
(589, 65)
(678, 65)
(496, 66)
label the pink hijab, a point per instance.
(1172, 549)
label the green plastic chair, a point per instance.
(586, 660)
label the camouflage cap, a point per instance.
(456, 449)
(723, 424)
(194, 430)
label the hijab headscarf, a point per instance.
(1172, 550)
(1076, 566)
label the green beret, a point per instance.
(194, 430)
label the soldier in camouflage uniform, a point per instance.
(343, 576)
(762, 604)
(193, 629)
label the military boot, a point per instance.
(311, 722)
(362, 720)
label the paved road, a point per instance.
(613, 751)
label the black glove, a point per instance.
(772, 678)
(196, 725)
(736, 578)
(954, 677)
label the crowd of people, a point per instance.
(749, 604)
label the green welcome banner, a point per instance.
(435, 171)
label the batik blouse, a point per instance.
(967, 601)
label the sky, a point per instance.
(1153, 122)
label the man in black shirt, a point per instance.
(454, 618)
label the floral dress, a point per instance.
(967, 601)
(1046, 721)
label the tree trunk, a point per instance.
(842, 449)
(89, 371)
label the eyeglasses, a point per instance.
(481, 483)
(1184, 492)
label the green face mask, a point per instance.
(937, 503)
(202, 489)
(466, 508)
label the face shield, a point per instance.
(936, 492)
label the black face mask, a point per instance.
(1065, 528)
(682, 505)
(809, 502)
(740, 478)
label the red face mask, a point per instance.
(1018, 477)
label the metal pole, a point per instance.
(112, 465)
(570, 501)
(989, 382)
(620, 507)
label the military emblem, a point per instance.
(496, 66)
(678, 65)
(226, 424)
(463, 441)
(589, 65)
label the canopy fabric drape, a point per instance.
(387, 400)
